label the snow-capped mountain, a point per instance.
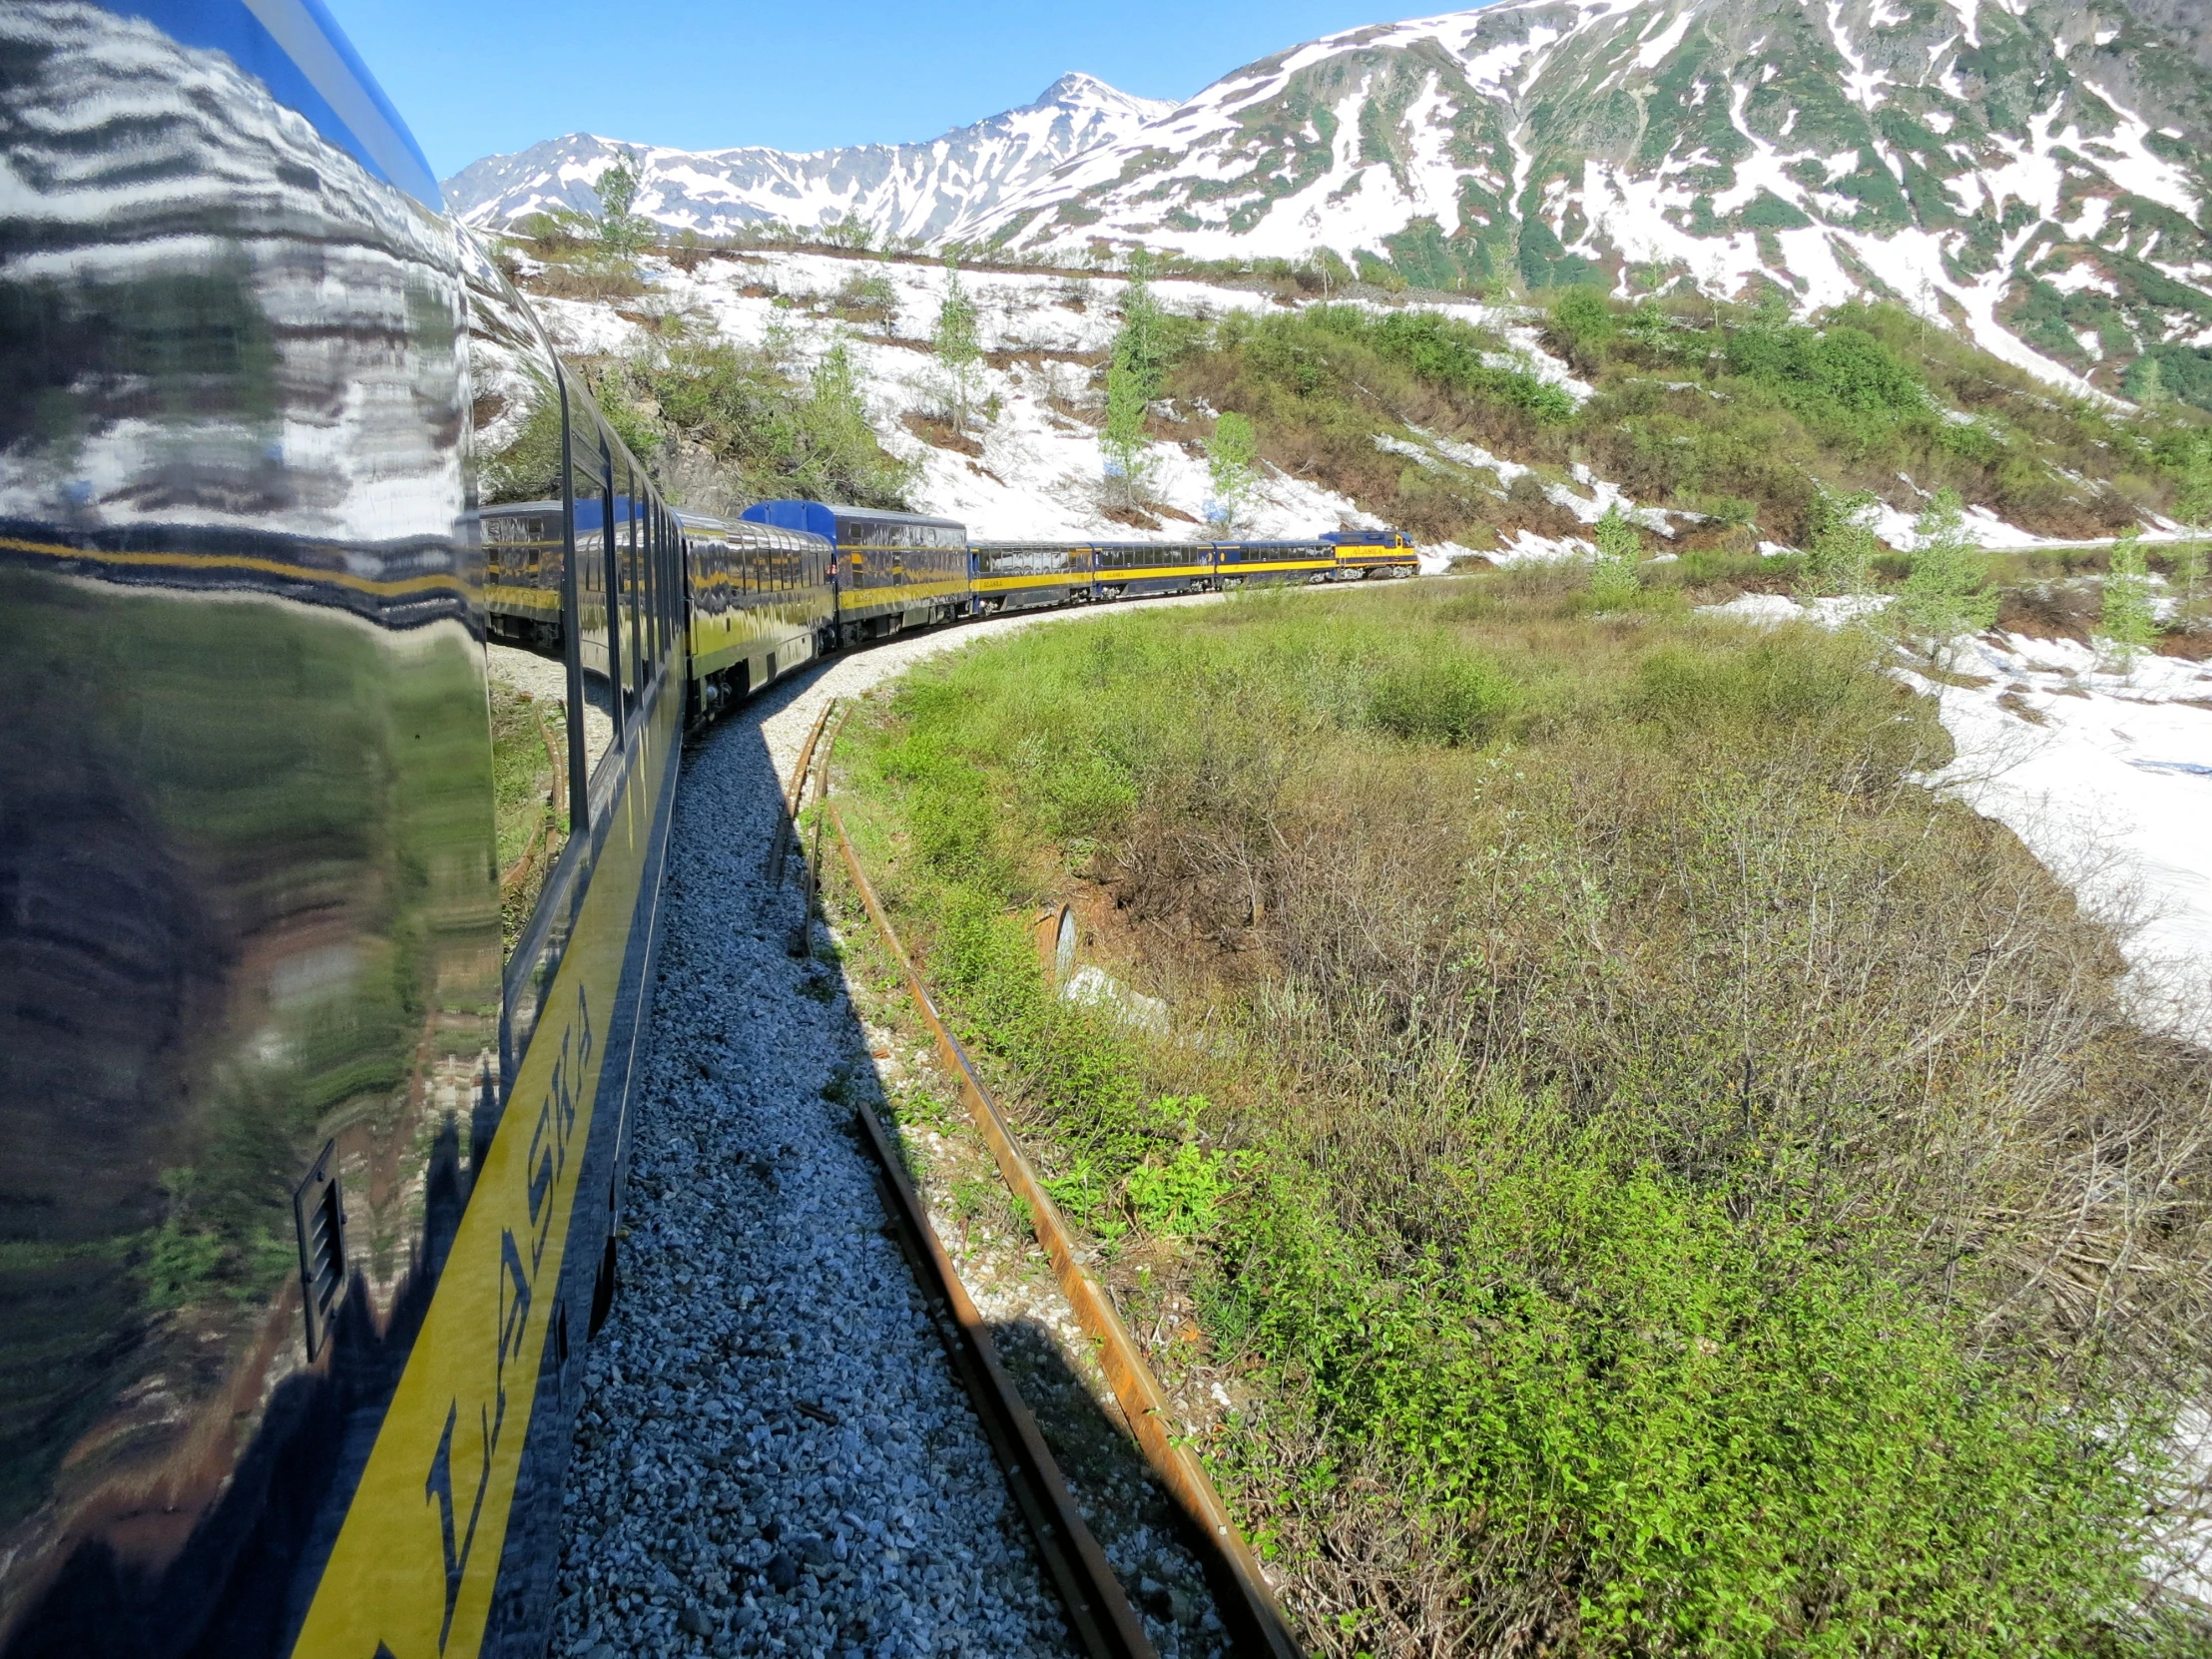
(910, 190)
(2034, 170)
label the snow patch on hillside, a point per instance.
(1042, 469)
(2105, 775)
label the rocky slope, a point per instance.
(2030, 169)
(908, 190)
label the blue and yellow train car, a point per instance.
(1020, 575)
(1138, 569)
(762, 602)
(1265, 563)
(307, 1176)
(894, 571)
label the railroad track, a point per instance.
(1241, 1592)
(774, 1454)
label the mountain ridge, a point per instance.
(908, 190)
(2033, 174)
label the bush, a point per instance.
(1645, 1147)
(1613, 579)
(1449, 699)
(1946, 593)
(2129, 623)
(722, 425)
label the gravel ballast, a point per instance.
(774, 1455)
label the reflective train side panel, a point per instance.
(305, 1182)
(893, 570)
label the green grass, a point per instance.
(1618, 1123)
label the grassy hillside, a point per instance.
(1651, 1177)
(1736, 414)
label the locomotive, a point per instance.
(310, 1174)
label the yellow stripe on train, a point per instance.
(416, 1560)
(241, 562)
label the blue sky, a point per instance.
(475, 77)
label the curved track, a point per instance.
(773, 1455)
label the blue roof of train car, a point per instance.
(821, 518)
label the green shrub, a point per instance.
(2129, 623)
(1946, 593)
(1613, 579)
(1447, 699)
(1840, 545)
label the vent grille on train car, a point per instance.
(319, 1212)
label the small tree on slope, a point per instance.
(2194, 507)
(620, 232)
(1838, 555)
(2129, 623)
(1133, 376)
(958, 342)
(1947, 593)
(1231, 454)
(1613, 579)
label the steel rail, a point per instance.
(1099, 1613)
(1104, 1623)
(792, 797)
(1241, 1593)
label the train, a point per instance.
(789, 581)
(310, 1163)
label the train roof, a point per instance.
(796, 513)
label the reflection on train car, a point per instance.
(762, 604)
(894, 569)
(1015, 576)
(303, 1201)
(525, 563)
(1253, 563)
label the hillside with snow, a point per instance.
(1032, 467)
(2032, 174)
(908, 190)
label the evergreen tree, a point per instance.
(1840, 551)
(1133, 377)
(2188, 581)
(1231, 454)
(1613, 578)
(1947, 593)
(2129, 622)
(958, 342)
(1141, 343)
(2147, 381)
(2194, 507)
